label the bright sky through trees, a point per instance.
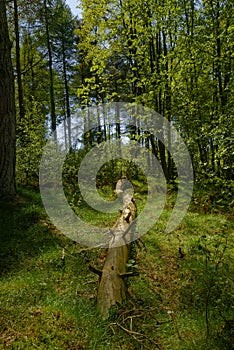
(73, 6)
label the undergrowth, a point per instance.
(181, 300)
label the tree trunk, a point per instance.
(18, 65)
(112, 286)
(51, 74)
(7, 110)
(67, 95)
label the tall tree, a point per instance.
(7, 110)
(65, 55)
(174, 57)
(50, 56)
(18, 63)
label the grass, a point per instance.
(181, 300)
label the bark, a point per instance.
(18, 65)
(112, 286)
(51, 75)
(67, 95)
(7, 110)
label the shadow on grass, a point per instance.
(23, 231)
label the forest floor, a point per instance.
(182, 299)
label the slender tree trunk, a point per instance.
(167, 107)
(67, 96)
(99, 130)
(7, 110)
(18, 65)
(52, 99)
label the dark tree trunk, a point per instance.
(7, 110)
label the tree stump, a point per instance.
(112, 285)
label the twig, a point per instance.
(126, 330)
(134, 334)
(131, 317)
(129, 274)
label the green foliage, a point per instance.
(174, 58)
(106, 178)
(213, 194)
(70, 177)
(33, 126)
(30, 142)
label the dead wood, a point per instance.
(94, 270)
(112, 285)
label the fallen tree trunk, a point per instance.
(112, 285)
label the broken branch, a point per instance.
(94, 270)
